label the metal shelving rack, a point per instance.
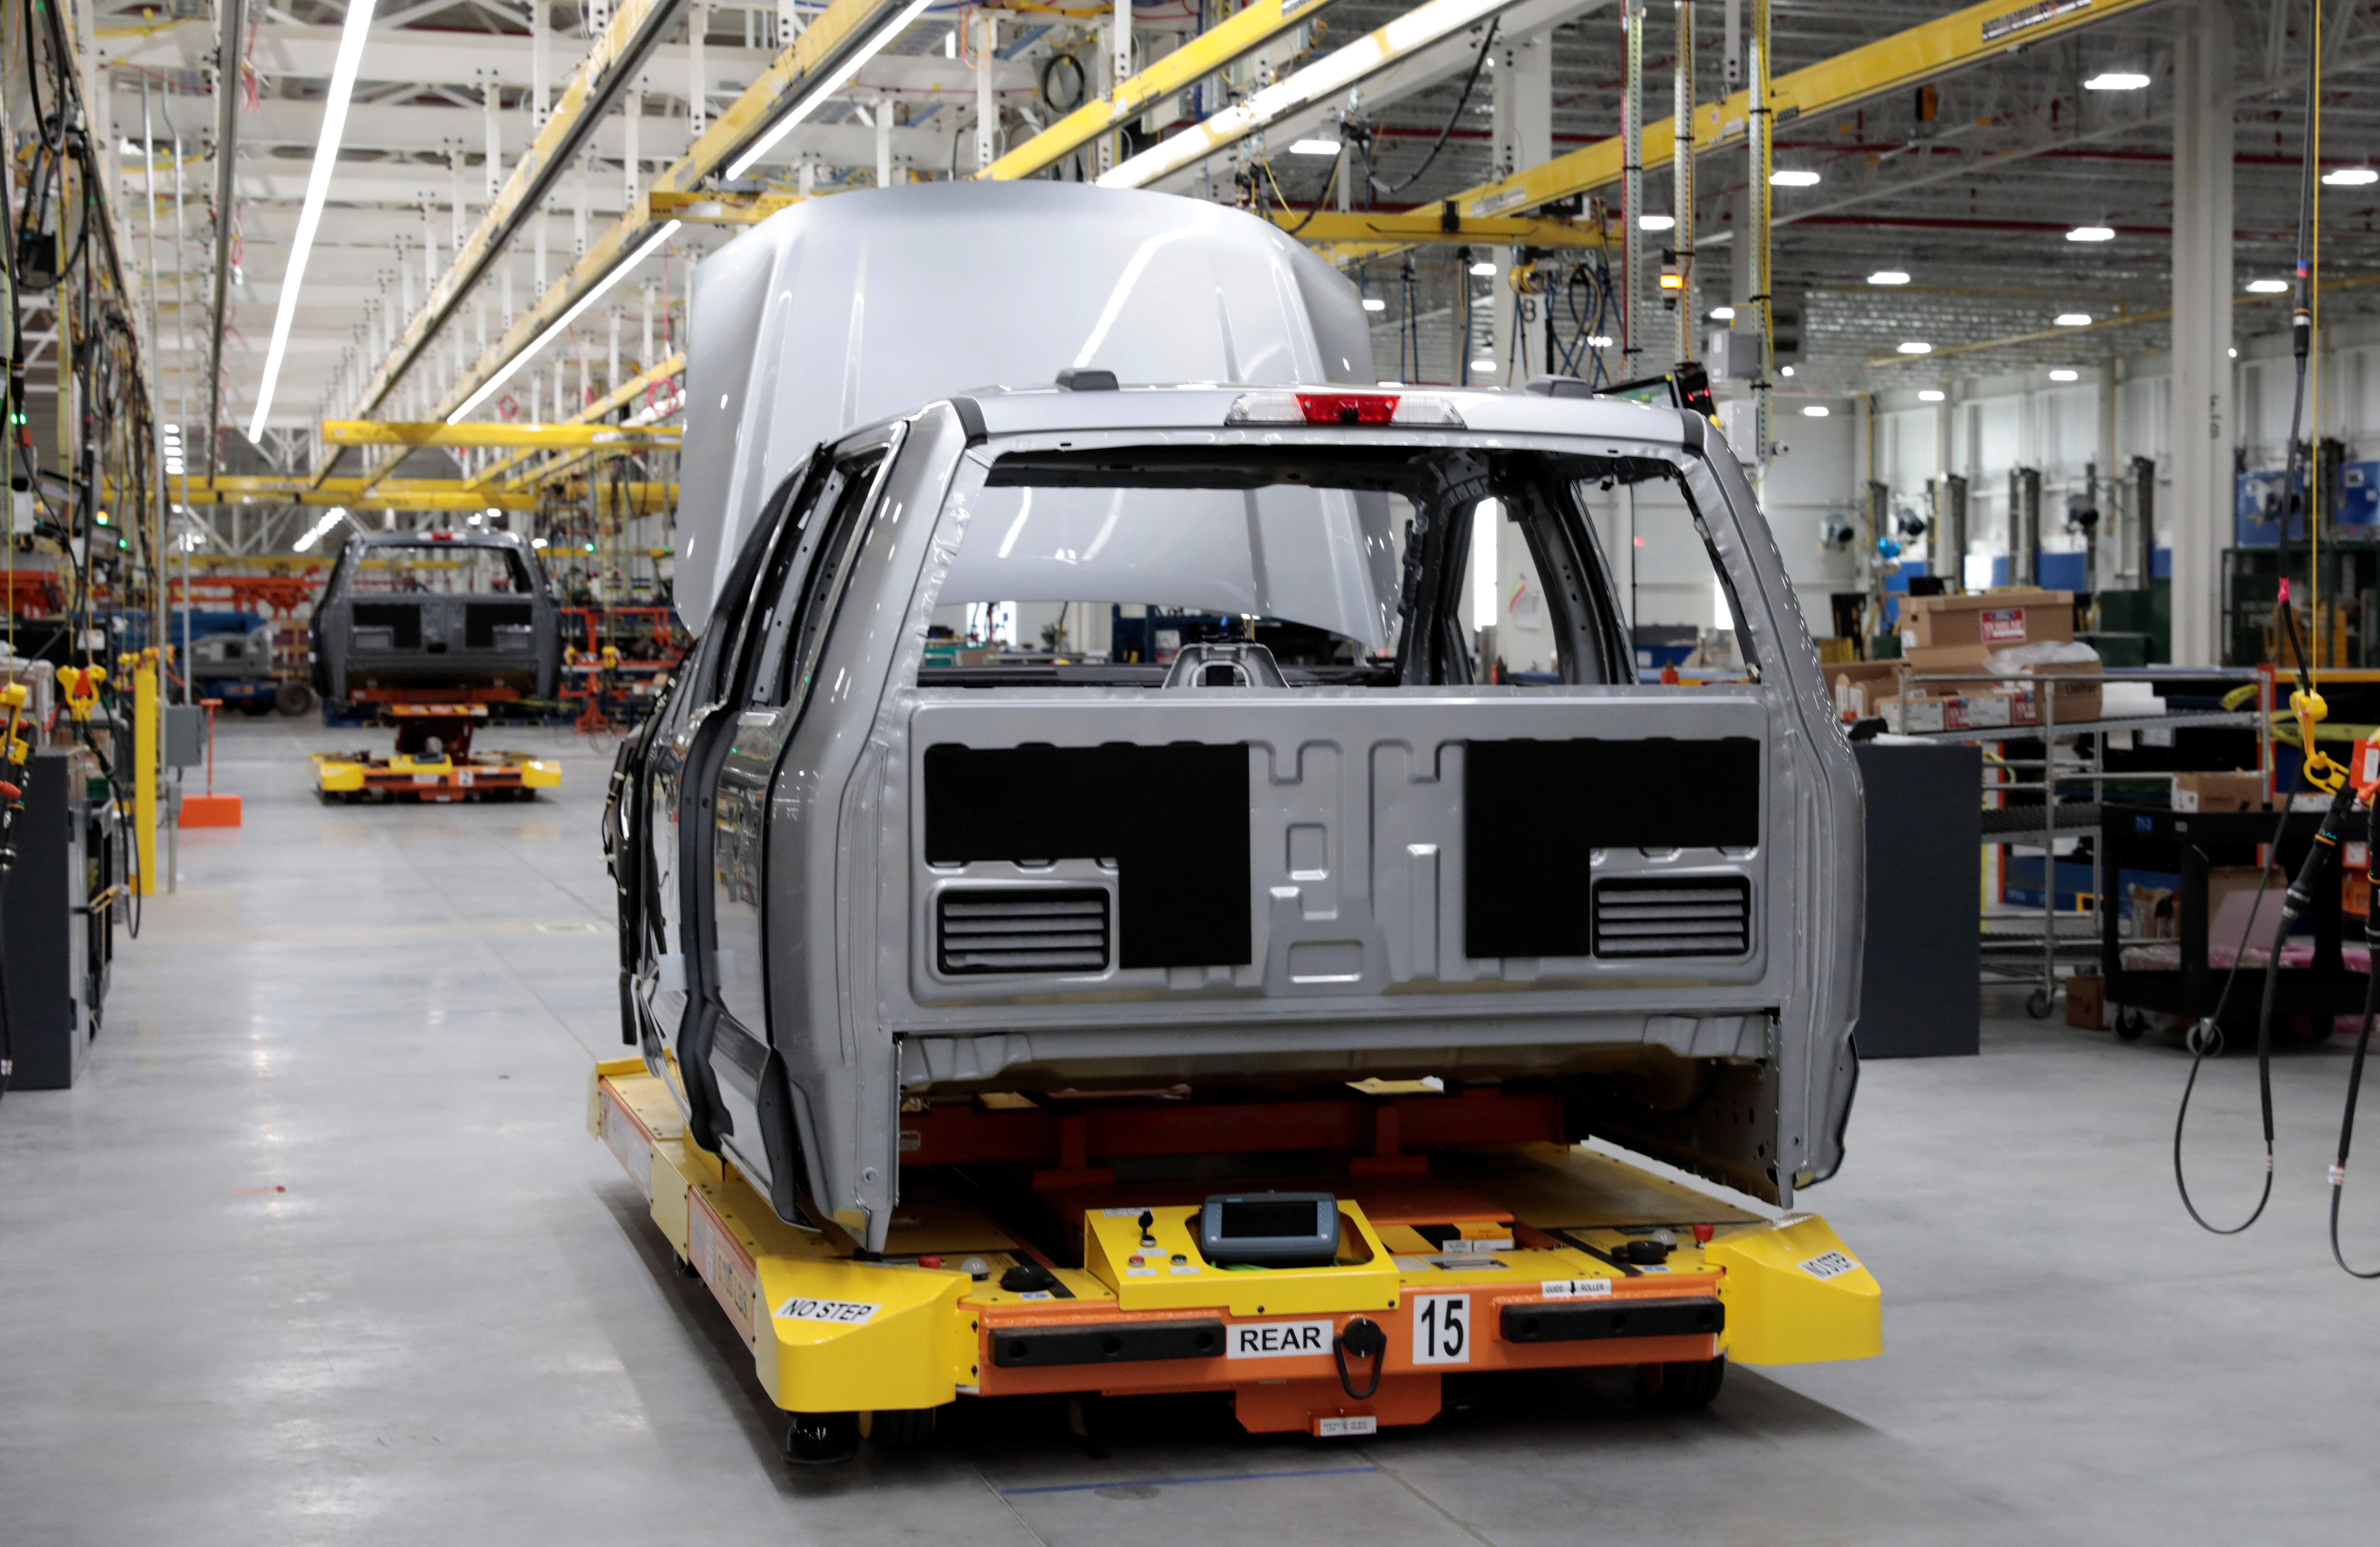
(2033, 957)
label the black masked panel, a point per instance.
(1532, 812)
(481, 619)
(403, 619)
(1174, 818)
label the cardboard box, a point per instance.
(1859, 686)
(2237, 912)
(2075, 701)
(2086, 1003)
(2218, 792)
(1998, 618)
(1912, 716)
(1917, 714)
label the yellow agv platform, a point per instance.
(1500, 1257)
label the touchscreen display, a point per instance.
(1245, 1220)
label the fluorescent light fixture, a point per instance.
(1598, 341)
(2268, 287)
(1392, 384)
(2115, 80)
(1485, 266)
(494, 513)
(1916, 346)
(352, 35)
(1792, 176)
(1374, 303)
(2352, 176)
(1721, 314)
(1888, 276)
(1656, 222)
(1314, 148)
(619, 272)
(1784, 370)
(2066, 375)
(2073, 319)
(2235, 353)
(536, 542)
(835, 81)
(1814, 410)
(1483, 365)
(1931, 394)
(314, 534)
(2090, 233)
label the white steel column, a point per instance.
(492, 108)
(2202, 427)
(1524, 137)
(632, 111)
(540, 74)
(986, 106)
(697, 107)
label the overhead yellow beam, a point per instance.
(1185, 66)
(1421, 227)
(610, 403)
(719, 209)
(1922, 53)
(396, 494)
(373, 432)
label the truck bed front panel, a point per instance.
(1453, 858)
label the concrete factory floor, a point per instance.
(319, 1253)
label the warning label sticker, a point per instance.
(1828, 1264)
(1273, 1340)
(2003, 625)
(849, 1313)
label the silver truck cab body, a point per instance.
(861, 883)
(857, 877)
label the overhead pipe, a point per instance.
(1681, 181)
(1759, 136)
(228, 90)
(1632, 191)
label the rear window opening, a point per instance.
(437, 569)
(1366, 567)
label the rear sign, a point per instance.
(1272, 1340)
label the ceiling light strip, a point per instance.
(595, 293)
(834, 80)
(353, 33)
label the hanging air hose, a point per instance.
(2321, 771)
(2355, 1070)
(2207, 1038)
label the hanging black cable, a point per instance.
(1452, 118)
(2355, 1070)
(2206, 1039)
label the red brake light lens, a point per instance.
(1348, 408)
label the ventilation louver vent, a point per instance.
(1023, 930)
(1698, 916)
